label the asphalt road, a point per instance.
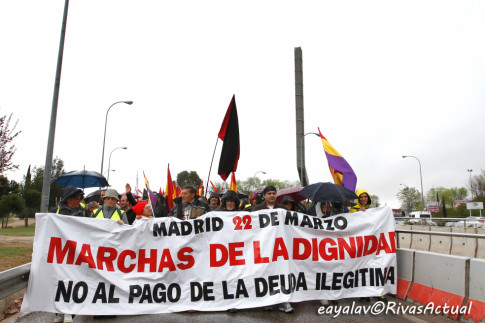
(304, 312)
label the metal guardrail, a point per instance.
(14, 279)
(449, 234)
(441, 220)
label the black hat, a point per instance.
(214, 194)
(287, 199)
(268, 189)
(230, 196)
(71, 191)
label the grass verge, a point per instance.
(18, 231)
(13, 256)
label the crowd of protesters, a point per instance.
(125, 209)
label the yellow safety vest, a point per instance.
(116, 215)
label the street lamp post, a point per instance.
(302, 163)
(254, 176)
(105, 124)
(471, 187)
(109, 160)
(420, 176)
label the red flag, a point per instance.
(169, 189)
(200, 188)
(229, 134)
(214, 187)
(178, 190)
(233, 186)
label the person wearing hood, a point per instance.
(229, 202)
(256, 199)
(110, 210)
(187, 205)
(289, 203)
(214, 201)
(71, 202)
(160, 210)
(363, 202)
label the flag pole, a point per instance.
(208, 177)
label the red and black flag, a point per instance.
(229, 134)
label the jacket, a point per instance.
(262, 206)
(63, 209)
(198, 208)
(357, 207)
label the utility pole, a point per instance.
(46, 184)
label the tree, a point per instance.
(375, 201)
(56, 172)
(250, 185)
(28, 180)
(7, 149)
(443, 208)
(8, 187)
(447, 194)
(477, 185)
(32, 200)
(186, 178)
(12, 203)
(410, 199)
(279, 184)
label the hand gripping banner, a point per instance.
(219, 261)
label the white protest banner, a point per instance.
(221, 260)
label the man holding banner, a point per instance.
(269, 195)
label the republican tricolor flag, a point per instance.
(340, 170)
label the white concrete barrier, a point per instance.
(480, 245)
(476, 291)
(405, 259)
(441, 244)
(404, 239)
(405, 268)
(439, 278)
(465, 247)
(477, 279)
(420, 241)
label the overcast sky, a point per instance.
(382, 79)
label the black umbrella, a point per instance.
(240, 195)
(82, 178)
(328, 192)
(93, 196)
